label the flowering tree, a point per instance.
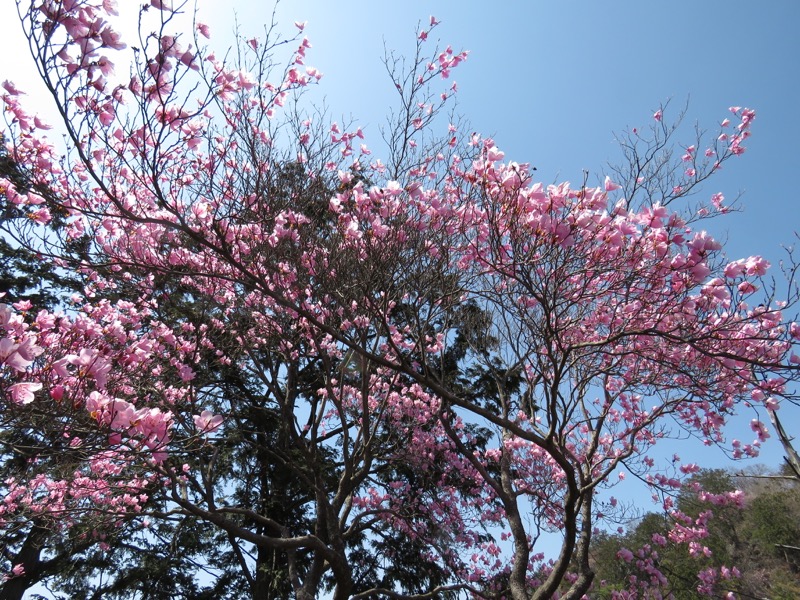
(373, 378)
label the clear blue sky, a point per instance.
(552, 81)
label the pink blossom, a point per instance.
(112, 39)
(628, 297)
(11, 88)
(165, 5)
(110, 7)
(746, 287)
(40, 124)
(760, 429)
(609, 185)
(23, 305)
(494, 154)
(207, 422)
(92, 364)
(625, 555)
(23, 393)
(11, 354)
(756, 265)
(186, 373)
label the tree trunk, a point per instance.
(29, 557)
(791, 454)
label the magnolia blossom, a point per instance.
(207, 422)
(23, 393)
(625, 555)
(10, 356)
(609, 185)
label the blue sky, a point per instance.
(552, 82)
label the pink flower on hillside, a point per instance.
(625, 555)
